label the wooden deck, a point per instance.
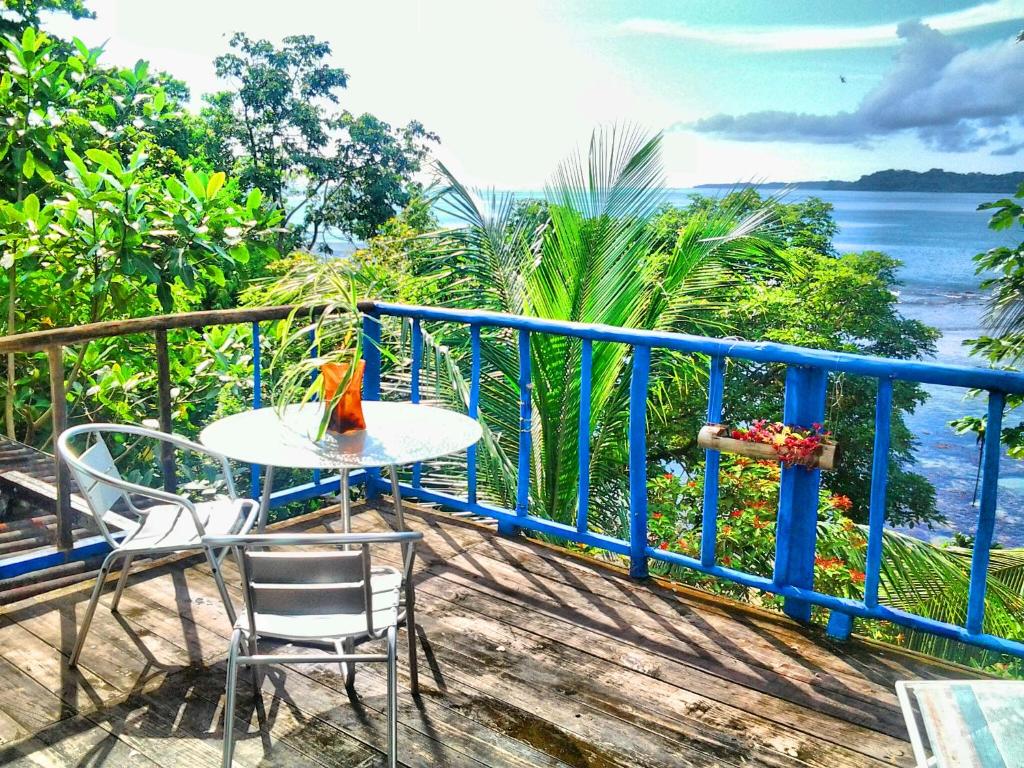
(534, 658)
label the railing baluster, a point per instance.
(163, 386)
(371, 382)
(709, 518)
(796, 528)
(474, 408)
(255, 470)
(583, 492)
(59, 419)
(879, 482)
(414, 386)
(986, 512)
(638, 462)
(525, 431)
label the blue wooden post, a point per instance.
(255, 470)
(638, 462)
(796, 529)
(473, 408)
(709, 517)
(525, 433)
(371, 382)
(879, 482)
(986, 512)
(414, 387)
(583, 445)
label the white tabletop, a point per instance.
(395, 434)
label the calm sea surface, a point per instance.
(934, 235)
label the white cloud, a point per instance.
(817, 38)
(954, 98)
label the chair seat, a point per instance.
(385, 582)
(169, 527)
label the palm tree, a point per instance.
(587, 253)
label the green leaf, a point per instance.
(240, 253)
(30, 206)
(105, 160)
(216, 274)
(28, 39)
(28, 168)
(252, 202)
(214, 184)
(175, 188)
(159, 99)
(195, 184)
(45, 173)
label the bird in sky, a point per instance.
(842, 78)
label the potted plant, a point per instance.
(317, 358)
(809, 447)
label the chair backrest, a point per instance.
(100, 482)
(281, 577)
(308, 583)
(99, 493)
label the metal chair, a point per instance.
(165, 523)
(315, 598)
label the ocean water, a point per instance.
(935, 235)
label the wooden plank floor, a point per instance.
(532, 658)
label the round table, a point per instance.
(395, 434)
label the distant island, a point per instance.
(935, 180)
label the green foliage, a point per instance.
(844, 303)
(587, 254)
(16, 15)
(99, 220)
(1003, 347)
(280, 130)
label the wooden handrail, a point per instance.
(36, 340)
(53, 342)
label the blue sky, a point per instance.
(742, 89)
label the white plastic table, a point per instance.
(396, 434)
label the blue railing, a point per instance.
(807, 375)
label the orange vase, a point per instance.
(347, 414)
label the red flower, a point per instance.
(663, 545)
(726, 530)
(726, 561)
(842, 502)
(857, 576)
(736, 513)
(656, 515)
(669, 476)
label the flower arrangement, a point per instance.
(774, 441)
(793, 445)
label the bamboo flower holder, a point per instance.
(716, 437)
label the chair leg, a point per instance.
(219, 579)
(393, 697)
(252, 648)
(229, 697)
(410, 628)
(121, 581)
(91, 609)
(348, 646)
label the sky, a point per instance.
(742, 90)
